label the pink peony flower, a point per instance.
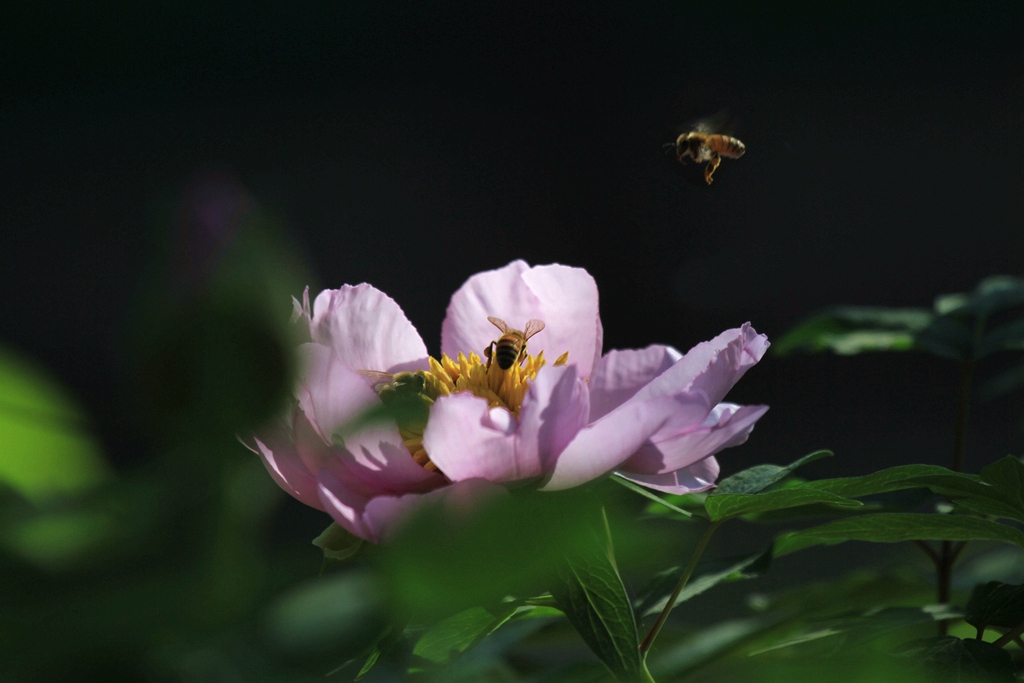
(653, 415)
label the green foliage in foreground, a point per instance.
(166, 573)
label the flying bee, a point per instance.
(510, 347)
(703, 144)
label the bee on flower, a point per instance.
(655, 416)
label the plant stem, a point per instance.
(1010, 635)
(697, 552)
(947, 554)
(927, 549)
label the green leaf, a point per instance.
(950, 303)
(341, 614)
(892, 479)
(996, 604)
(849, 330)
(760, 477)
(536, 612)
(947, 337)
(593, 597)
(970, 491)
(994, 294)
(963, 660)
(1006, 337)
(444, 641)
(708, 644)
(46, 449)
(385, 644)
(1007, 476)
(896, 527)
(338, 544)
(866, 626)
(691, 503)
(57, 540)
(708, 574)
(730, 505)
(443, 561)
(657, 500)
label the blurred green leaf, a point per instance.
(53, 540)
(995, 604)
(456, 634)
(341, 613)
(950, 332)
(593, 597)
(849, 592)
(46, 448)
(730, 505)
(949, 303)
(947, 337)
(953, 659)
(896, 527)
(338, 544)
(1007, 337)
(998, 563)
(992, 295)
(849, 330)
(444, 561)
(708, 644)
(654, 597)
(760, 477)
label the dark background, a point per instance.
(411, 146)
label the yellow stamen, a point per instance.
(501, 388)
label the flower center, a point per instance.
(418, 391)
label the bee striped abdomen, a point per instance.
(506, 351)
(727, 146)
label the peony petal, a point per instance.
(343, 504)
(330, 392)
(314, 452)
(385, 515)
(726, 426)
(564, 298)
(570, 302)
(284, 465)
(711, 367)
(330, 396)
(602, 446)
(555, 408)
(302, 317)
(377, 457)
(467, 439)
(699, 476)
(619, 375)
(367, 330)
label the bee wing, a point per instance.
(533, 326)
(721, 123)
(376, 377)
(499, 323)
